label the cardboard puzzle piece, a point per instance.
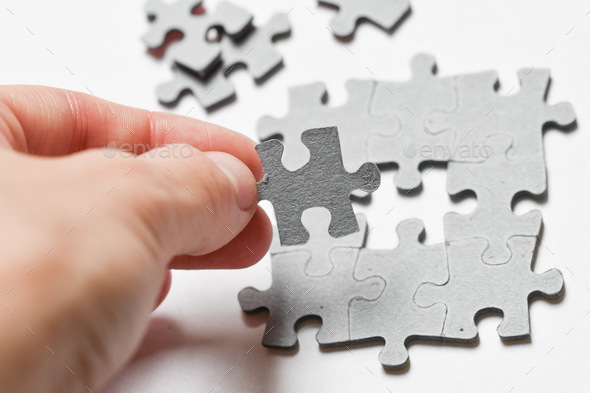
(323, 181)
(256, 51)
(383, 13)
(210, 93)
(193, 51)
(317, 220)
(294, 296)
(394, 316)
(495, 182)
(474, 288)
(411, 102)
(308, 109)
(482, 112)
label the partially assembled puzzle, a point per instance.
(319, 263)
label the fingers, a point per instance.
(244, 250)
(48, 121)
(193, 202)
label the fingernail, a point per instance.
(241, 177)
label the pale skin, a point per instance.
(88, 240)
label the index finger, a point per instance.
(52, 122)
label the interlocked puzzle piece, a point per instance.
(495, 182)
(194, 51)
(474, 288)
(323, 181)
(294, 296)
(256, 51)
(210, 93)
(317, 220)
(394, 316)
(383, 13)
(308, 110)
(412, 101)
(482, 112)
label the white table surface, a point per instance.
(199, 339)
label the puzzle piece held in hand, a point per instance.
(193, 51)
(317, 220)
(294, 296)
(210, 93)
(383, 13)
(495, 181)
(257, 51)
(482, 112)
(394, 316)
(323, 181)
(308, 109)
(412, 101)
(474, 287)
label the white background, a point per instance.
(199, 339)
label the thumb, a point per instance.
(210, 198)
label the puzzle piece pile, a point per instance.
(213, 44)
(493, 147)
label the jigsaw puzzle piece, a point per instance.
(383, 13)
(210, 93)
(256, 51)
(194, 51)
(475, 288)
(166, 17)
(294, 296)
(308, 110)
(481, 112)
(412, 101)
(323, 182)
(394, 316)
(495, 182)
(317, 220)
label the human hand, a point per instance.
(89, 236)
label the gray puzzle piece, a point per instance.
(474, 288)
(256, 51)
(210, 93)
(481, 112)
(317, 220)
(193, 51)
(394, 316)
(295, 296)
(308, 110)
(412, 101)
(323, 181)
(495, 182)
(383, 13)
